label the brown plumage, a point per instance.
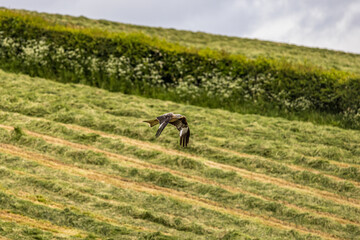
(178, 120)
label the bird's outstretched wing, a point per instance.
(182, 126)
(163, 120)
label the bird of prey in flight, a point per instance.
(178, 120)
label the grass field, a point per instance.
(78, 163)
(327, 59)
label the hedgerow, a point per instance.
(137, 64)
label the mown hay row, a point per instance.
(149, 188)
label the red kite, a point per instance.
(178, 120)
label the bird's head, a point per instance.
(178, 116)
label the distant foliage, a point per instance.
(140, 65)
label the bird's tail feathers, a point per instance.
(152, 122)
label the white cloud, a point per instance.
(277, 29)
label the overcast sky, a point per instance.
(332, 24)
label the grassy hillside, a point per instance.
(251, 48)
(77, 162)
(137, 64)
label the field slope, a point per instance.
(78, 162)
(252, 48)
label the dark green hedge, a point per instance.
(201, 77)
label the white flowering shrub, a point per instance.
(34, 52)
(216, 85)
(186, 89)
(8, 47)
(146, 72)
(301, 104)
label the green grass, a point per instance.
(168, 180)
(252, 48)
(13, 231)
(100, 208)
